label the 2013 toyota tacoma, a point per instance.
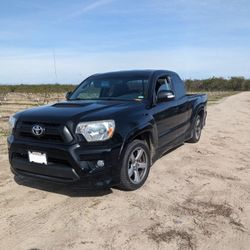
(109, 131)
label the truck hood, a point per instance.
(62, 112)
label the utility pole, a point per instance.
(54, 57)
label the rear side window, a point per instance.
(179, 86)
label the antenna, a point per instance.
(54, 57)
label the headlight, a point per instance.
(12, 122)
(96, 131)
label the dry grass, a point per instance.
(215, 96)
(218, 95)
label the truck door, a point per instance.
(165, 114)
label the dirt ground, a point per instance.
(196, 197)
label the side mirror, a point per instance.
(165, 95)
(68, 94)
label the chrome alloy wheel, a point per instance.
(137, 165)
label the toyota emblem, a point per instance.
(38, 130)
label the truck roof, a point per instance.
(145, 73)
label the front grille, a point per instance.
(54, 133)
(47, 137)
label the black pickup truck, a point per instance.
(109, 131)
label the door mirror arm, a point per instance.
(68, 94)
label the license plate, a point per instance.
(37, 157)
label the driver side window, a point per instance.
(163, 83)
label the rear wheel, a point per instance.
(196, 131)
(135, 166)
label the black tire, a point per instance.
(133, 174)
(196, 130)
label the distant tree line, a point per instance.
(37, 88)
(219, 84)
(194, 85)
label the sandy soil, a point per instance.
(196, 197)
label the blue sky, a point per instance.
(196, 38)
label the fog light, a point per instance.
(100, 164)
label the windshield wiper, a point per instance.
(113, 99)
(76, 99)
(83, 99)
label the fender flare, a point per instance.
(195, 113)
(149, 128)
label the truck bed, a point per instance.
(201, 97)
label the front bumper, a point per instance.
(66, 163)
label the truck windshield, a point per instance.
(118, 88)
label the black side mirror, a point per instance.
(165, 95)
(68, 94)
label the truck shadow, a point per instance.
(63, 189)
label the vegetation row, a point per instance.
(194, 85)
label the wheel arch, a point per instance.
(199, 110)
(148, 134)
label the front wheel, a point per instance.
(135, 165)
